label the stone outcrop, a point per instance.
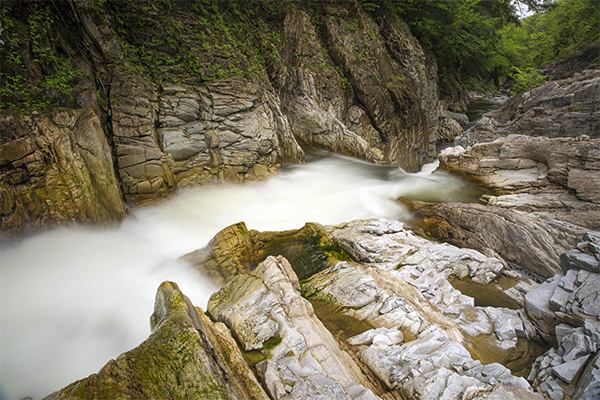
(586, 256)
(514, 236)
(186, 356)
(237, 250)
(566, 310)
(555, 179)
(401, 316)
(206, 103)
(399, 283)
(57, 170)
(564, 108)
(266, 313)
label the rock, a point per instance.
(57, 170)
(236, 250)
(302, 357)
(556, 372)
(570, 369)
(588, 386)
(374, 288)
(449, 127)
(537, 305)
(502, 392)
(500, 230)
(556, 179)
(186, 356)
(458, 117)
(564, 108)
(198, 112)
(315, 99)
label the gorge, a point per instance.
(271, 168)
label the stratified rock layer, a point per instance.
(556, 179)
(563, 108)
(265, 312)
(56, 169)
(210, 103)
(532, 243)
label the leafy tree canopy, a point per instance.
(486, 39)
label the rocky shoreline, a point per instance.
(421, 337)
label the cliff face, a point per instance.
(173, 94)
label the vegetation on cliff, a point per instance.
(485, 39)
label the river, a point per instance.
(71, 299)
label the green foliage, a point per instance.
(463, 34)
(565, 26)
(526, 79)
(369, 6)
(485, 39)
(204, 41)
(31, 60)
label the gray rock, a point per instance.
(537, 305)
(548, 110)
(588, 385)
(548, 178)
(576, 259)
(569, 370)
(503, 231)
(306, 361)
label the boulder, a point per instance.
(186, 356)
(585, 256)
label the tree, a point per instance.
(463, 34)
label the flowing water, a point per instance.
(479, 107)
(72, 299)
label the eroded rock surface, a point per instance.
(212, 104)
(186, 356)
(563, 108)
(265, 312)
(532, 243)
(556, 179)
(57, 170)
(399, 282)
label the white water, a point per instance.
(73, 299)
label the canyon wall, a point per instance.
(174, 94)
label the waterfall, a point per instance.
(72, 299)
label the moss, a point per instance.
(336, 320)
(309, 250)
(34, 64)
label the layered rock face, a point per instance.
(389, 314)
(556, 179)
(513, 236)
(56, 169)
(223, 98)
(563, 108)
(566, 308)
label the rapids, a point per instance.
(72, 299)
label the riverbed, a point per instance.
(72, 299)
